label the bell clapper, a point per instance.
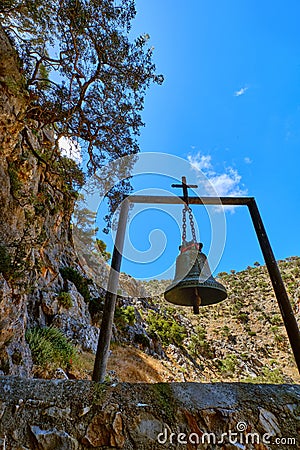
(197, 302)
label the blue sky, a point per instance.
(231, 103)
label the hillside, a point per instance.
(240, 339)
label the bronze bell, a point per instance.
(194, 284)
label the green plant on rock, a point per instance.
(243, 317)
(199, 344)
(81, 283)
(276, 320)
(164, 397)
(268, 376)
(5, 261)
(228, 364)
(225, 331)
(65, 299)
(96, 305)
(15, 183)
(142, 339)
(252, 333)
(50, 348)
(124, 316)
(169, 331)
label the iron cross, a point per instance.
(184, 187)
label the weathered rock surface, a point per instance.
(77, 415)
(36, 206)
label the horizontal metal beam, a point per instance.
(175, 200)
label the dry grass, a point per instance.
(132, 365)
(128, 363)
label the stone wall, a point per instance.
(76, 415)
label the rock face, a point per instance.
(36, 205)
(77, 415)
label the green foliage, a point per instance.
(199, 345)
(95, 306)
(102, 249)
(272, 376)
(65, 299)
(142, 339)
(73, 176)
(81, 283)
(103, 75)
(124, 316)
(251, 333)
(50, 348)
(169, 331)
(84, 231)
(164, 396)
(225, 331)
(5, 261)
(237, 306)
(276, 320)
(228, 364)
(15, 183)
(243, 317)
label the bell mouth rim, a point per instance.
(220, 291)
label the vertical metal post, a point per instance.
(278, 285)
(110, 298)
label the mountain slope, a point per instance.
(240, 339)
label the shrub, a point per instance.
(65, 300)
(95, 305)
(225, 331)
(124, 316)
(50, 348)
(268, 376)
(169, 331)
(81, 283)
(252, 333)
(237, 306)
(243, 317)
(5, 261)
(199, 344)
(276, 320)
(142, 339)
(102, 249)
(228, 364)
(222, 274)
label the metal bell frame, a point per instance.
(271, 264)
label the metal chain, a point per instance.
(192, 224)
(184, 224)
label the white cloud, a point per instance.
(248, 160)
(200, 162)
(241, 91)
(70, 148)
(226, 184)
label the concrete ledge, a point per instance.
(59, 414)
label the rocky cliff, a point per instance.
(36, 204)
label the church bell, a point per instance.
(193, 284)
